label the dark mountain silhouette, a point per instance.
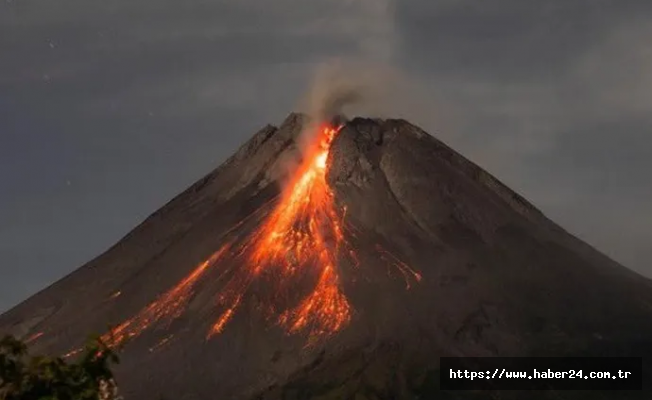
(353, 280)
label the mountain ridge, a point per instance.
(448, 261)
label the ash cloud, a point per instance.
(363, 87)
(338, 86)
(358, 83)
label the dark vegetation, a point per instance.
(28, 377)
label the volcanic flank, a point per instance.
(343, 267)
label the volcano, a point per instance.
(335, 259)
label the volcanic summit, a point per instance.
(338, 259)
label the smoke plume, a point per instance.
(337, 85)
(347, 88)
(368, 82)
(359, 87)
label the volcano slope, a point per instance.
(338, 269)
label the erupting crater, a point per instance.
(302, 236)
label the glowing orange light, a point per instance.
(303, 233)
(170, 305)
(73, 353)
(303, 230)
(218, 327)
(161, 343)
(400, 265)
(33, 337)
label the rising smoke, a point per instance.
(360, 87)
(369, 82)
(340, 86)
(355, 84)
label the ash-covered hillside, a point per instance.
(340, 266)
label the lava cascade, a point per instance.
(303, 233)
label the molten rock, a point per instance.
(342, 265)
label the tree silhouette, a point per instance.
(26, 377)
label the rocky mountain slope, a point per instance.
(350, 283)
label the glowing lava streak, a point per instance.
(303, 231)
(301, 237)
(168, 306)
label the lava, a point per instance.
(303, 230)
(301, 238)
(161, 343)
(218, 327)
(399, 265)
(33, 337)
(170, 305)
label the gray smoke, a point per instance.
(358, 87)
(347, 87)
(367, 83)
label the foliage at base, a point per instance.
(27, 377)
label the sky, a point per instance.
(109, 109)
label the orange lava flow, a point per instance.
(170, 305)
(399, 265)
(299, 241)
(303, 230)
